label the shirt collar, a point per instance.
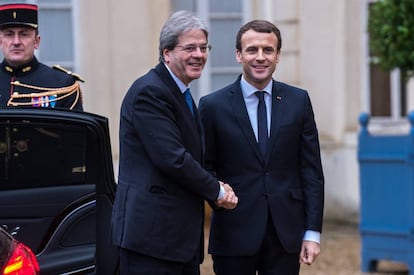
(179, 83)
(248, 89)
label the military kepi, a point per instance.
(18, 14)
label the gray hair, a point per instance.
(179, 22)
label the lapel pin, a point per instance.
(278, 98)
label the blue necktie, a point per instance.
(189, 100)
(262, 123)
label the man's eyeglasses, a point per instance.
(192, 48)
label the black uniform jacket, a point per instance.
(36, 74)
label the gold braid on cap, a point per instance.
(43, 97)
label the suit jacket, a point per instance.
(287, 183)
(159, 205)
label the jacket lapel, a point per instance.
(240, 112)
(193, 122)
(276, 117)
(169, 82)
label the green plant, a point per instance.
(391, 31)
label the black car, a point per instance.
(57, 187)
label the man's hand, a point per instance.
(229, 200)
(310, 250)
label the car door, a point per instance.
(57, 188)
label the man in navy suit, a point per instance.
(158, 213)
(262, 139)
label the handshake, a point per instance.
(229, 200)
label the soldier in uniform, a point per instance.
(24, 81)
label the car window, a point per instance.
(57, 187)
(40, 154)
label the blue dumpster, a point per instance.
(386, 164)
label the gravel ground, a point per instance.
(340, 255)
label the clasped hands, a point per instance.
(229, 200)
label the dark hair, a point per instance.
(259, 26)
(178, 23)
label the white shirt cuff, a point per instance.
(312, 236)
(221, 193)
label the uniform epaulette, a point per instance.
(76, 76)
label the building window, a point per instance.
(387, 96)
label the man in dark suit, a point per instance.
(158, 212)
(261, 138)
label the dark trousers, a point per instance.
(271, 259)
(132, 263)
